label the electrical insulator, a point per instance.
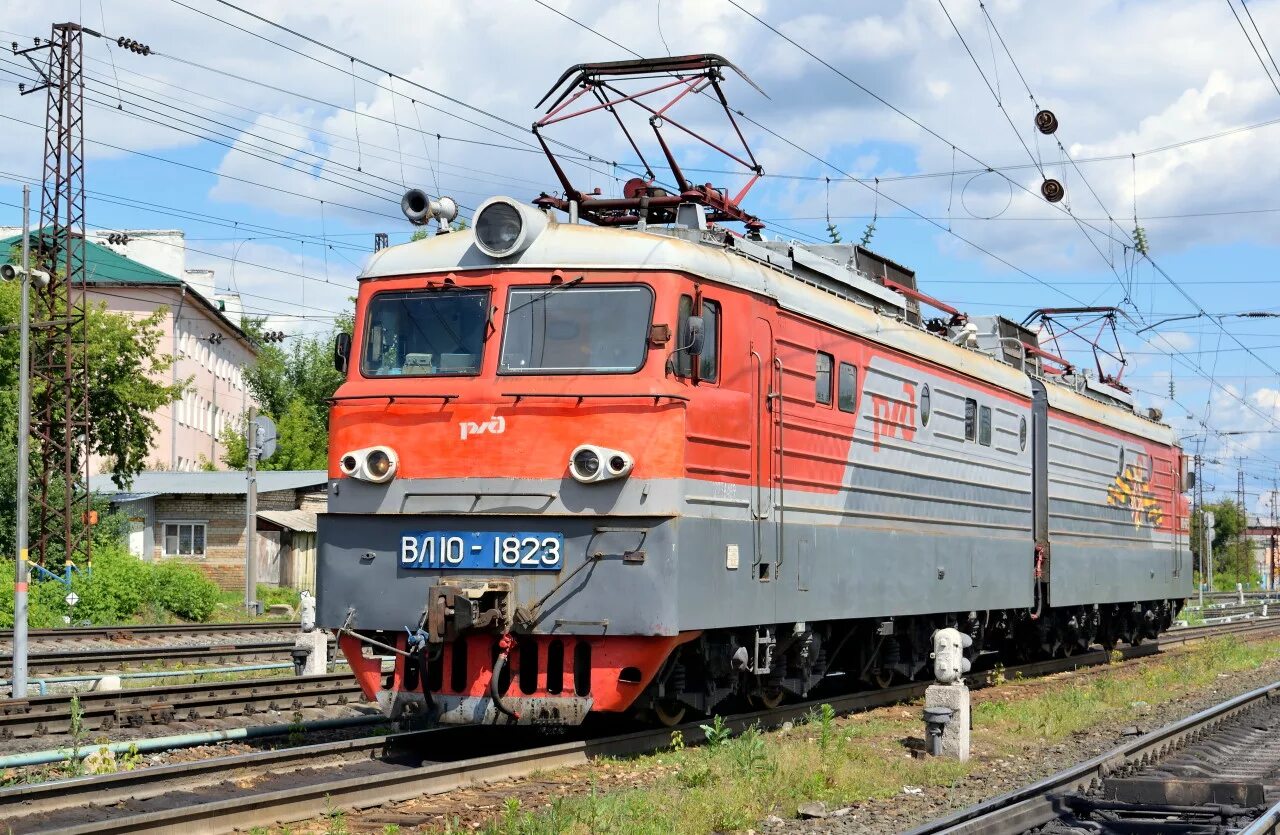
(1052, 190)
(380, 241)
(133, 46)
(215, 339)
(117, 238)
(1046, 122)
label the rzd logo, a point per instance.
(493, 426)
(892, 417)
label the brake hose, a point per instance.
(499, 664)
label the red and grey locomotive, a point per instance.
(644, 463)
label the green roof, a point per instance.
(103, 266)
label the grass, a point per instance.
(735, 782)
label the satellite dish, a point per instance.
(265, 436)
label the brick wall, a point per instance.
(224, 522)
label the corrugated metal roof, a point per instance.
(294, 520)
(102, 266)
(228, 483)
(120, 498)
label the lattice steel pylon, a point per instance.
(60, 425)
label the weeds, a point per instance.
(717, 733)
(335, 817)
(75, 765)
(297, 730)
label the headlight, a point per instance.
(589, 463)
(375, 464)
(378, 464)
(586, 463)
(505, 227)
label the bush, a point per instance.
(184, 590)
(118, 588)
(44, 602)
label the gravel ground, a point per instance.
(470, 808)
(994, 776)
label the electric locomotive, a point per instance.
(603, 454)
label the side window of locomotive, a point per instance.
(984, 426)
(709, 359)
(822, 379)
(576, 329)
(847, 392)
(424, 334)
(970, 419)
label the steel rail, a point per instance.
(132, 658)
(130, 632)
(1017, 811)
(303, 802)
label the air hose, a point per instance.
(500, 663)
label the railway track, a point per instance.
(1215, 771)
(135, 658)
(151, 631)
(264, 789)
(148, 657)
(157, 706)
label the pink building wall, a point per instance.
(188, 431)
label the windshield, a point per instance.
(579, 328)
(425, 334)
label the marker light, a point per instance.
(589, 463)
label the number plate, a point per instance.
(482, 550)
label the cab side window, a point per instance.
(822, 379)
(847, 393)
(709, 360)
(970, 419)
(984, 426)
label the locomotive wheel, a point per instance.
(669, 712)
(883, 678)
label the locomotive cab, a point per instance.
(506, 453)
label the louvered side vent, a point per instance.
(1001, 338)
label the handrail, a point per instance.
(580, 397)
(391, 398)
(782, 483)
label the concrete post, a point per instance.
(251, 515)
(955, 734)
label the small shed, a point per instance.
(199, 517)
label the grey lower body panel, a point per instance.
(663, 576)
(1084, 571)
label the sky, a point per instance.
(281, 158)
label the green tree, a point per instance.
(292, 385)
(124, 391)
(1233, 559)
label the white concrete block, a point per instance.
(955, 736)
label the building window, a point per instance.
(970, 419)
(184, 539)
(848, 389)
(984, 426)
(822, 379)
